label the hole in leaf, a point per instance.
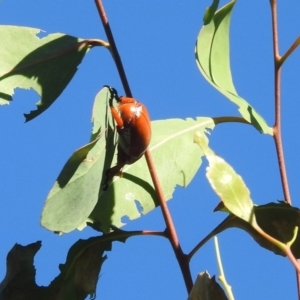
(125, 219)
(139, 207)
(42, 34)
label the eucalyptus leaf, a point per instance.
(212, 57)
(46, 64)
(226, 183)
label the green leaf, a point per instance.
(75, 192)
(212, 57)
(176, 159)
(78, 197)
(46, 64)
(276, 219)
(227, 184)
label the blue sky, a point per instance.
(156, 42)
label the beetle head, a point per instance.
(113, 95)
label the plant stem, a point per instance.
(170, 231)
(113, 47)
(222, 277)
(277, 125)
(278, 61)
(290, 50)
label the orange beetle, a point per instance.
(134, 129)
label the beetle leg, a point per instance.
(117, 118)
(114, 112)
(114, 171)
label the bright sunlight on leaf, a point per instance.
(176, 159)
(212, 57)
(45, 64)
(227, 184)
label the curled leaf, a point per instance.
(212, 57)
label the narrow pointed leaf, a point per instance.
(176, 159)
(212, 57)
(75, 193)
(226, 183)
(45, 64)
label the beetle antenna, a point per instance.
(113, 94)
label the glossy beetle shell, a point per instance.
(134, 129)
(135, 134)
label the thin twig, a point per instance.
(290, 50)
(284, 247)
(277, 125)
(113, 47)
(170, 231)
(215, 231)
(222, 277)
(278, 61)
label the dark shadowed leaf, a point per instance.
(45, 64)
(210, 12)
(19, 281)
(78, 276)
(276, 219)
(81, 270)
(206, 288)
(212, 57)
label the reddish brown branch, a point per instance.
(290, 50)
(277, 125)
(171, 231)
(278, 61)
(170, 228)
(113, 47)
